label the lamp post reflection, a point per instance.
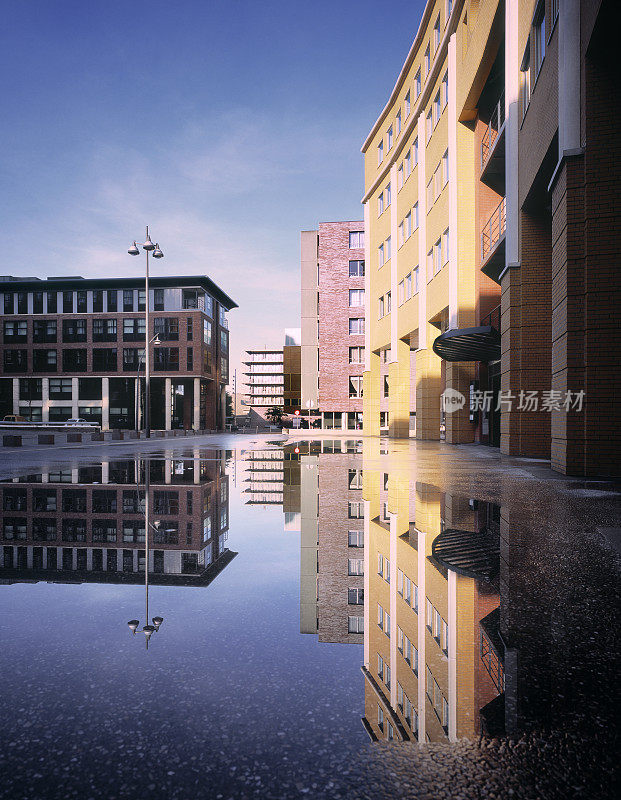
(133, 624)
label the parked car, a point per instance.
(80, 421)
(14, 418)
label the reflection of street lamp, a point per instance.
(155, 340)
(148, 247)
(133, 624)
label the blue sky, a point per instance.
(228, 127)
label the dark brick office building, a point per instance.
(74, 347)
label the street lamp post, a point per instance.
(155, 340)
(148, 247)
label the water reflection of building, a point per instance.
(273, 478)
(86, 524)
(331, 541)
(431, 664)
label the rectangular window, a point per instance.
(355, 538)
(355, 624)
(401, 293)
(74, 330)
(400, 176)
(81, 296)
(97, 301)
(15, 331)
(158, 299)
(74, 360)
(415, 280)
(415, 152)
(445, 168)
(387, 194)
(356, 239)
(429, 127)
(68, 302)
(417, 84)
(356, 355)
(356, 269)
(380, 204)
(52, 302)
(104, 359)
(389, 138)
(525, 81)
(437, 257)
(429, 195)
(388, 302)
(207, 332)
(356, 326)
(355, 566)
(380, 307)
(445, 90)
(142, 299)
(436, 34)
(355, 597)
(190, 359)
(538, 39)
(380, 255)
(427, 61)
(380, 667)
(436, 109)
(430, 264)
(189, 331)
(408, 286)
(398, 123)
(112, 300)
(355, 385)
(128, 299)
(44, 360)
(408, 225)
(22, 302)
(356, 298)
(445, 246)
(388, 248)
(9, 303)
(37, 303)
(400, 234)
(407, 164)
(380, 152)
(406, 104)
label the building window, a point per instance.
(445, 168)
(380, 307)
(429, 125)
(406, 104)
(74, 360)
(356, 269)
(104, 359)
(355, 597)
(401, 293)
(355, 624)
(128, 299)
(355, 538)
(400, 234)
(355, 566)
(166, 328)
(525, 81)
(68, 302)
(81, 296)
(400, 176)
(415, 152)
(74, 330)
(408, 225)
(380, 255)
(15, 331)
(89, 388)
(445, 246)
(437, 256)
(380, 204)
(388, 302)
(436, 109)
(52, 302)
(37, 303)
(97, 301)
(142, 299)
(429, 195)
(445, 90)
(356, 298)
(22, 302)
(356, 326)
(538, 39)
(387, 248)
(356, 239)
(134, 329)
(380, 152)
(190, 359)
(166, 359)
(30, 389)
(407, 164)
(9, 303)
(104, 330)
(158, 299)
(386, 386)
(355, 386)
(356, 355)
(408, 286)
(417, 84)
(427, 61)
(389, 138)
(207, 332)
(387, 194)
(44, 360)
(398, 122)
(112, 300)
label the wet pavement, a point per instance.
(341, 618)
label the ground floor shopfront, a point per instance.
(116, 402)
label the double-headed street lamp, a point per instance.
(148, 247)
(155, 341)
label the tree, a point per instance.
(274, 414)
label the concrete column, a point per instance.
(168, 470)
(168, 404)
(74, 397)
(105, 404)
(568, 76)
(399, 388)
(428, 391)
(45, 396)
(512, 127)
(196, 423)
(459, 429)
(16, 395)
(105, 472)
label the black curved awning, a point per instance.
(468, 344)
(475, 555)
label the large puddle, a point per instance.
(314, 620)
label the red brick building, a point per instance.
(332, 357)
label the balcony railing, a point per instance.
(492, 131)
(493, 230)
(493, 318)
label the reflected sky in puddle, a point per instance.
(304, 590)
